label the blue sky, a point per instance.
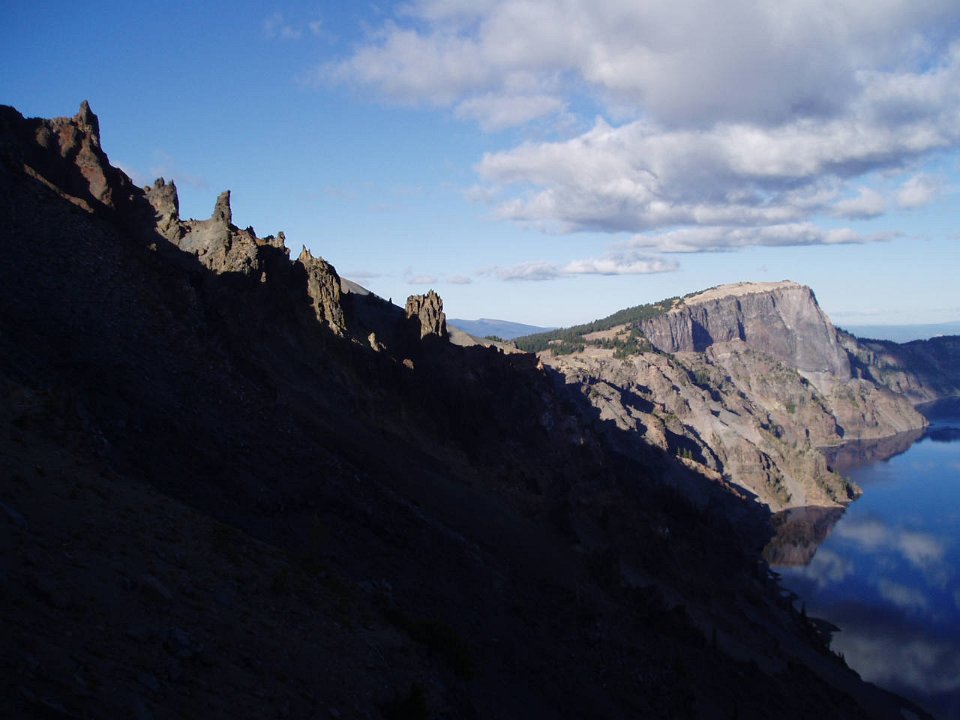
(543, 162)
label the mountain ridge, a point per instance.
(505, 329)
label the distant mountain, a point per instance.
(904, 333)
(505, 329)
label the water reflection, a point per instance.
(857, 453)
(798, 534)
(887, 571)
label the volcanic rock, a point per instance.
(427, 312)
(323, 287)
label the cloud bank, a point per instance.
(703, 126)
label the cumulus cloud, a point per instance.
(867, 204)
(623, 263)
(690, 62)
(713, 238)
(496, 112)
(459, 280)
(276, 27)
(719, 125)
(420, 279)
(918, 191)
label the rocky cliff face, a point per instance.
(323, 287)
(747, 381)
(781, 319)
(922, 370)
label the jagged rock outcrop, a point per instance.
(427, 312)
(218, 243)
(165, 202)
(323, 287)
(65, 154)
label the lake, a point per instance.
(887, 570)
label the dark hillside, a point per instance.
(230, 489)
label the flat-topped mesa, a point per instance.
(781, 319)
(427, 311)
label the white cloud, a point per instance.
(622, 263)
(280, 27)
(534, 270)
(640, 176)
(276, 27)
(626, 263)
(687, 62)
(867, 204)
(918, 191)
(713, 238)
(496, 112)
(459, 280)
(746, 121)
(421, 279)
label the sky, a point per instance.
(545, 162)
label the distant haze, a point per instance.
(904, 333)
(505, 329)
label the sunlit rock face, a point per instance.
(747, 382)
(780, 319)
(427, 310)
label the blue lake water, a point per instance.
(888, 572)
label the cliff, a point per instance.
(746, 382)
(781, 319)
(921, 370)
(234, 485)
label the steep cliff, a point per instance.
(780, 319)
(746, 381)
(921, 370)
